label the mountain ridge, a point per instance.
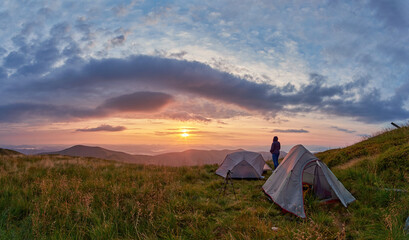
(190, 157)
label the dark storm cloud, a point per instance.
(136, 102)
(343, 129)
(290, 131)
(198, 79)
(103, 128)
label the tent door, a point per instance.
(321, 187)
(244, 170)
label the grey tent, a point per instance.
(242, 164)
(285, 185)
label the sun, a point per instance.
(184, 133)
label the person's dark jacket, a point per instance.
(275, 147)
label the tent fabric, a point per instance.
(242, 164)
(300, 166)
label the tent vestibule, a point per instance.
(300, 166)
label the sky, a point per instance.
(161, 76)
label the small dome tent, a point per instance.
(285, 185)
(243, 164)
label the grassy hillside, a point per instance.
(58, 197)
(385, 156)
(8, 152)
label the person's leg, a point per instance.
(275, 160)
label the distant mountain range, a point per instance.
(186, 158)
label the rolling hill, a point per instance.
(8, 152)
(99, 152)
(190, 157)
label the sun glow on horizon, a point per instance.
(184, 133)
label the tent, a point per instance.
(266, 168)
(285, 185)
(242, 164)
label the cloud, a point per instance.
(139, 102)
(391, 12)
(370, 108)
(14, 60)
(343, 129)
(198, 79)
(3, 73)
(44, 11)
(25, 112)
(85, 28)
(221, 122)
(103, 128)
(178, 132)
(118, 40)
(122, 10)
(2, 51)
(184, 116)
(290, 131)
(210, 109)
(37, 56)
(191, 77)
(178, 55)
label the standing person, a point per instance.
(275, 151)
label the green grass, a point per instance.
(375, 145)
(56, 197)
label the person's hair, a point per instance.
(275, 139)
